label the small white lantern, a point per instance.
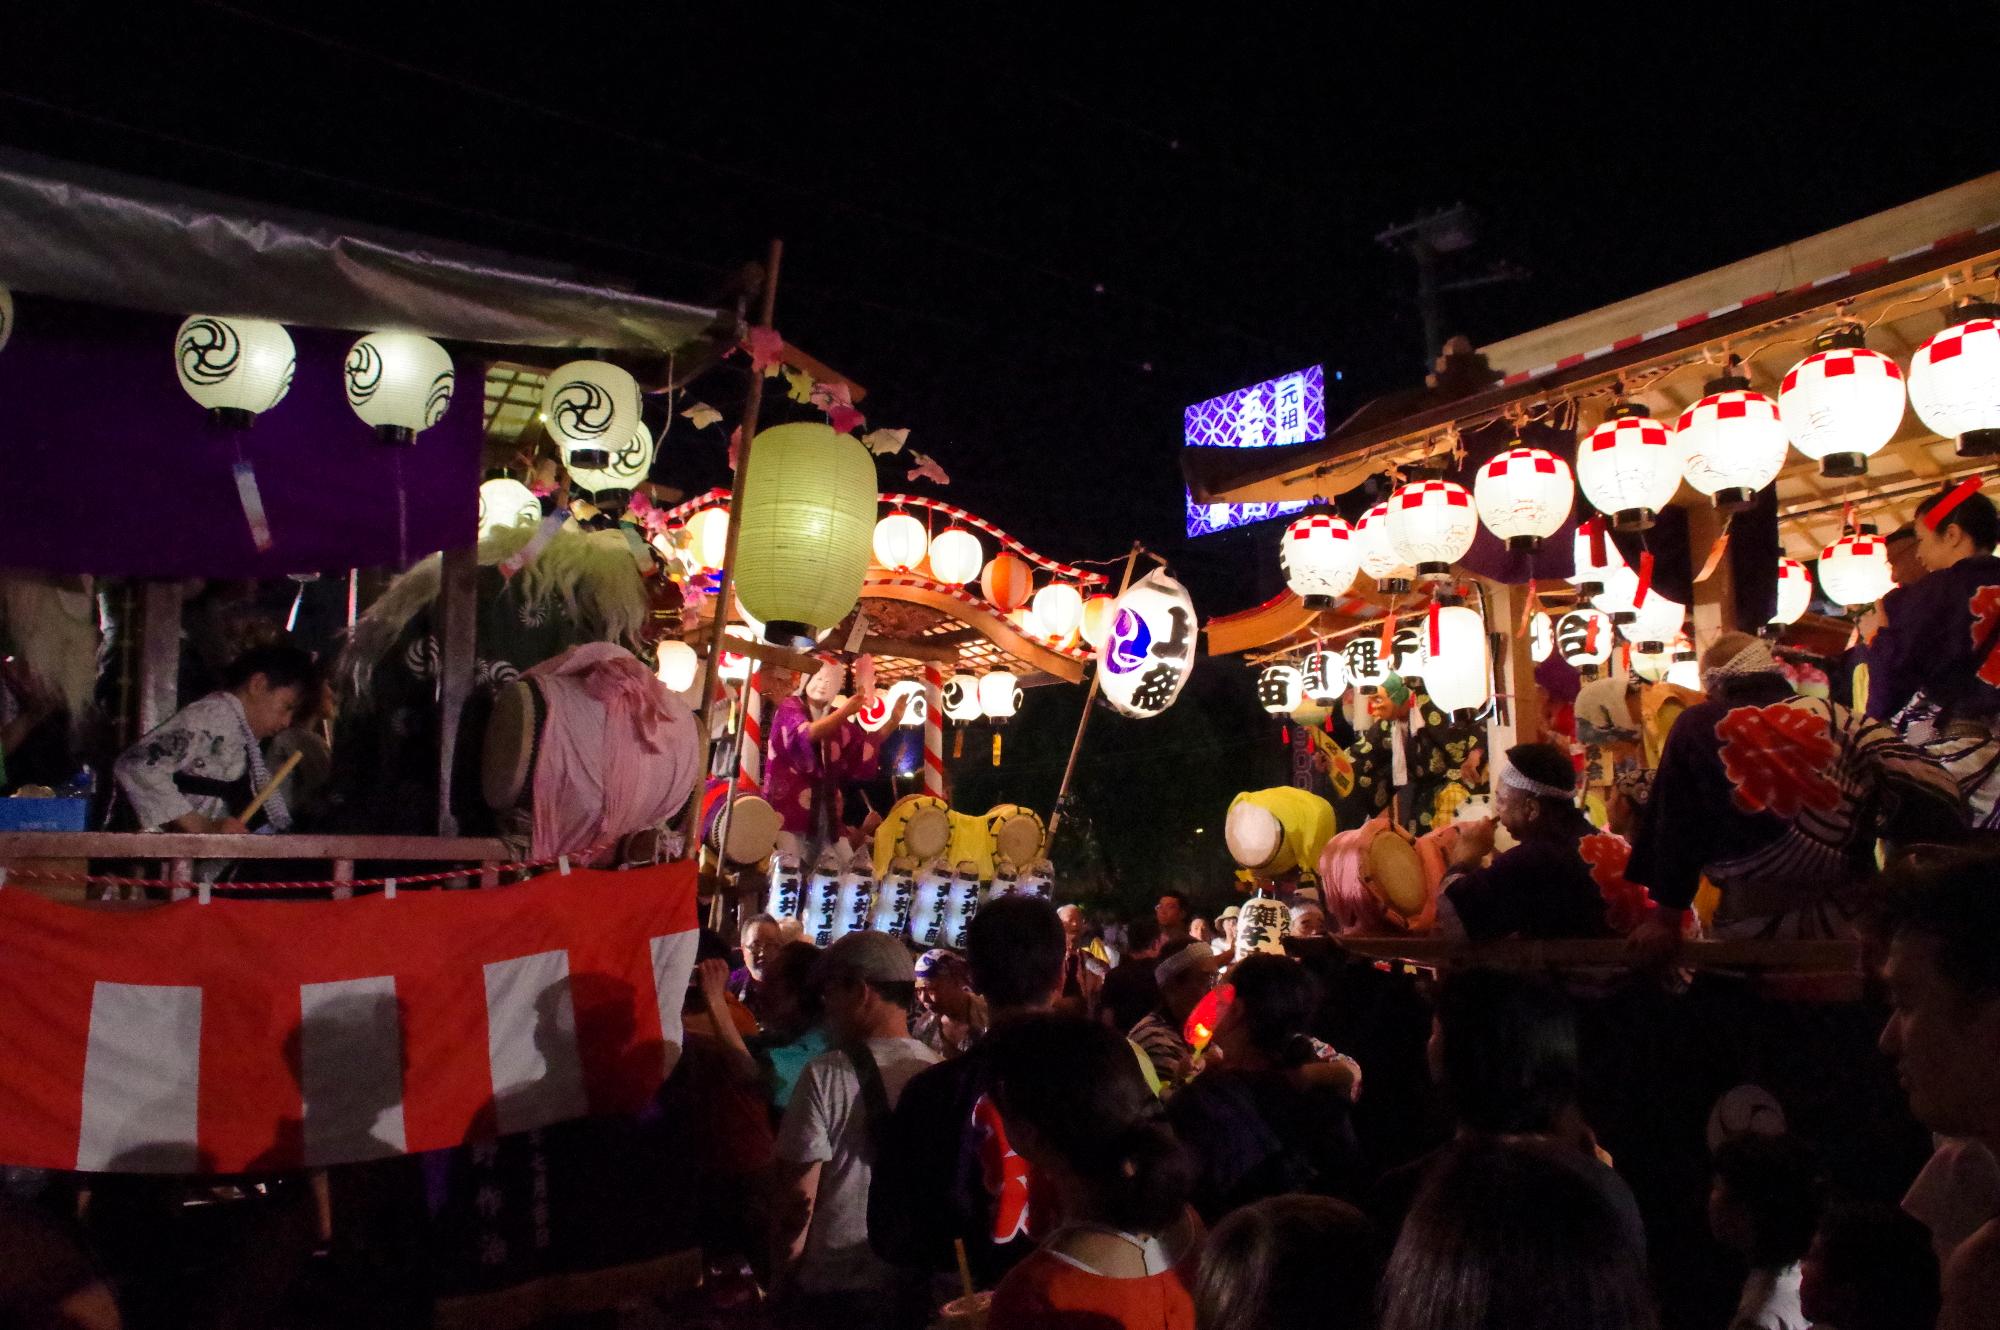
(874, 714)
(1591, 571)
(915, 711)
(6, 316)
(1584, 638)
(708, 536)
(1378, 557)
(1524, 496)
(399, 383)
(1843, 403)
(1279, 690)
(1794, 592)
(1365, 667)
(999, 694)
(1096, 624)
(1627, 467)
(1854, 570)
(1541, 637)
(1324, 677)
(1731, 443)
(505, 503)
(1954, 379)
(678, 663)
(1149, 652)
(1656, 621)
(237, 368)
(734, 667)
(590, 409)
(1652, 666)
(961, 698)
(628, 468)
(1456, 673)
(900, 542)
(955, 556)
(1319, 557)
(1058, 607)
(1431, 525)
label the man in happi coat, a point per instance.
(816, 747)
(1780, 800)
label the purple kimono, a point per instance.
(798, 773)
(1934, 675)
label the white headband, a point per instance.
(1753, 659)
(1514, 779)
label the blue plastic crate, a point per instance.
(44, 814)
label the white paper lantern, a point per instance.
(734, 667)
(1842, 404)
(1149, 652)
(1541, 637)
(1954, 379)
(6, 316)
(1584, 637)
(627, 470)
(1684, 671)
(802, 543)
(678, 663)
(1652, 666)
(1319, 557)
(1524, 496)
(1456, 672)
(1406, 653)
(915, 711)
(237, 368)
(1620, 594)
(1096, 623)
(900, 542)
(1378, 557)
(505, 503)
(1854, 570)
(1730, 444)
(1324, 677)
(1366, 669)
(399, 383)
(1590, 570)
(1431, 525)
(1627, 468)
(708, 536)
(1279, 690)
(1059, 608)
(961, 698)
(1794, 592)
(873, 715)
(1656, 622)
(999, 694)
(955, 556)
(590, 409)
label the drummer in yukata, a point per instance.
(817, 747)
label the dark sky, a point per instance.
(1037, 232)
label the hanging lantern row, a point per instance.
(1055, 614)
(1524, 496)
(1456, 674)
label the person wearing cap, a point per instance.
(1161, 1034)
(1541, 888)
(827, 1145)
(1779, 800)
(947, 1009)
(1225, 931)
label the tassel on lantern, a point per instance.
(996, 748)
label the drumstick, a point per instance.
(283, 774)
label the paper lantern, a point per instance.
(1656, 622)
(1524, 496)
(999, 694)
(590, 410)
(1319, 557)
(808, 511)
(1794, 592)
(627, 470)
(708, 536)
(1684, 670)
(734, 667)
(955, 556)
(678, 664)
(1649, 665)
(237, 368)
(1843, 403)
(505, 503)
(1059, 607)
(6, 316)
(1620, 596)
(399, 383)
(1456, 671)
(1096, 622)
(1627, 467)
(917, 709)
(1730, 444)
(1584, 638)
(1954, 379)
(1431, 525)
(1406, 652)
(873, 715)
(1324, 677)
(1590, 569)
(1378, 557)
(1366, 669)
(900, 542)
(1279, 690)
(1007, 582)
(1541, 637)
(1147, 655)
(961, 698)
(1854, 570)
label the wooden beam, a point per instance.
(24, 845)
(1714, 605)
(458, 646)
(926, 649)
(159, 654)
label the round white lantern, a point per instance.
(626, 472)
(1456, 673)
(1843, 403)
(1058, 608)
(1279, 690)
(1324, 677)
(1854, 570)
(808, 511)
(1319, 557)
(961, 698)
(1627, 467)
(1541, 637)
(6, 316)
(1149, 652)
(999, 694)
(678, 663)
(735, 666)
(399, 383)
(955, 556)
(1524, 496)
(1652, 666)
(1620, 595)
(1584, 638)
(1096, 623)
(1431, 525)
(1656, 622)
(915, 711)
(708, 536)
(874, 714)
(1954, 379)
(237, 368)
(1590, 571)
(1365, 667)
(1684, 671)
(1731, 443)
(1406, 653)
(900, 542)
(590, 409)
(505, 503)
(1378, 557)
(1794, 592)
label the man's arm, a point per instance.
(797, 1189)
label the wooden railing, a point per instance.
(176, 852)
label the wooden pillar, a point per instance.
(159, 654)
(458, 588)
(1520, 716)
(1714, 608)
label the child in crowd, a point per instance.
(1289, 1263)
(1763, 1206)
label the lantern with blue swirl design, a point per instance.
(1150, 648)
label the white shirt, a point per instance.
(1770, 1302)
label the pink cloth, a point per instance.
(618, 750)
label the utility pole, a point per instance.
(1426, 240)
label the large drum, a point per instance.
(752, 833)
(918, 827)
(1018, 834)
(1377, 879)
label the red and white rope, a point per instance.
(934, 731)
(532, 867)
(1008, 542)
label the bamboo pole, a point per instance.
(1089, 699)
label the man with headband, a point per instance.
(816, 747)
(1779, 800)
(1541, 888)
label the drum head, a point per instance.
(753, 830)
(927, 831)
(1396, 876)
(1017, 837)
(509, 752)
(1254, 835)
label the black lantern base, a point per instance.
(1523, 544)
(1434, 572)
(1979, 443)
(233, 417)
(1368, 689)
(1587, 673)
(589, 459)
(1589, 590)
(1632, 519)
(1623, 617)
(611, 501)
(1839, 466)
(1771, 632)
(400, 436)
(1734, 499)
(789, 633)
(1650, 648)
(1318, 602)
(1394, 586)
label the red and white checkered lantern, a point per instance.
(1842, 404)
(1730, 444)
(1524, 496)
(1854, 570)
(1627, 468)
(1794, 592)
(1955, 380)
(1320, 557)
(1431, 525)
(1378, 557)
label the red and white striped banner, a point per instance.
(243, 1036)
(934, 731)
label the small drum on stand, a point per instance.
(753, 825)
